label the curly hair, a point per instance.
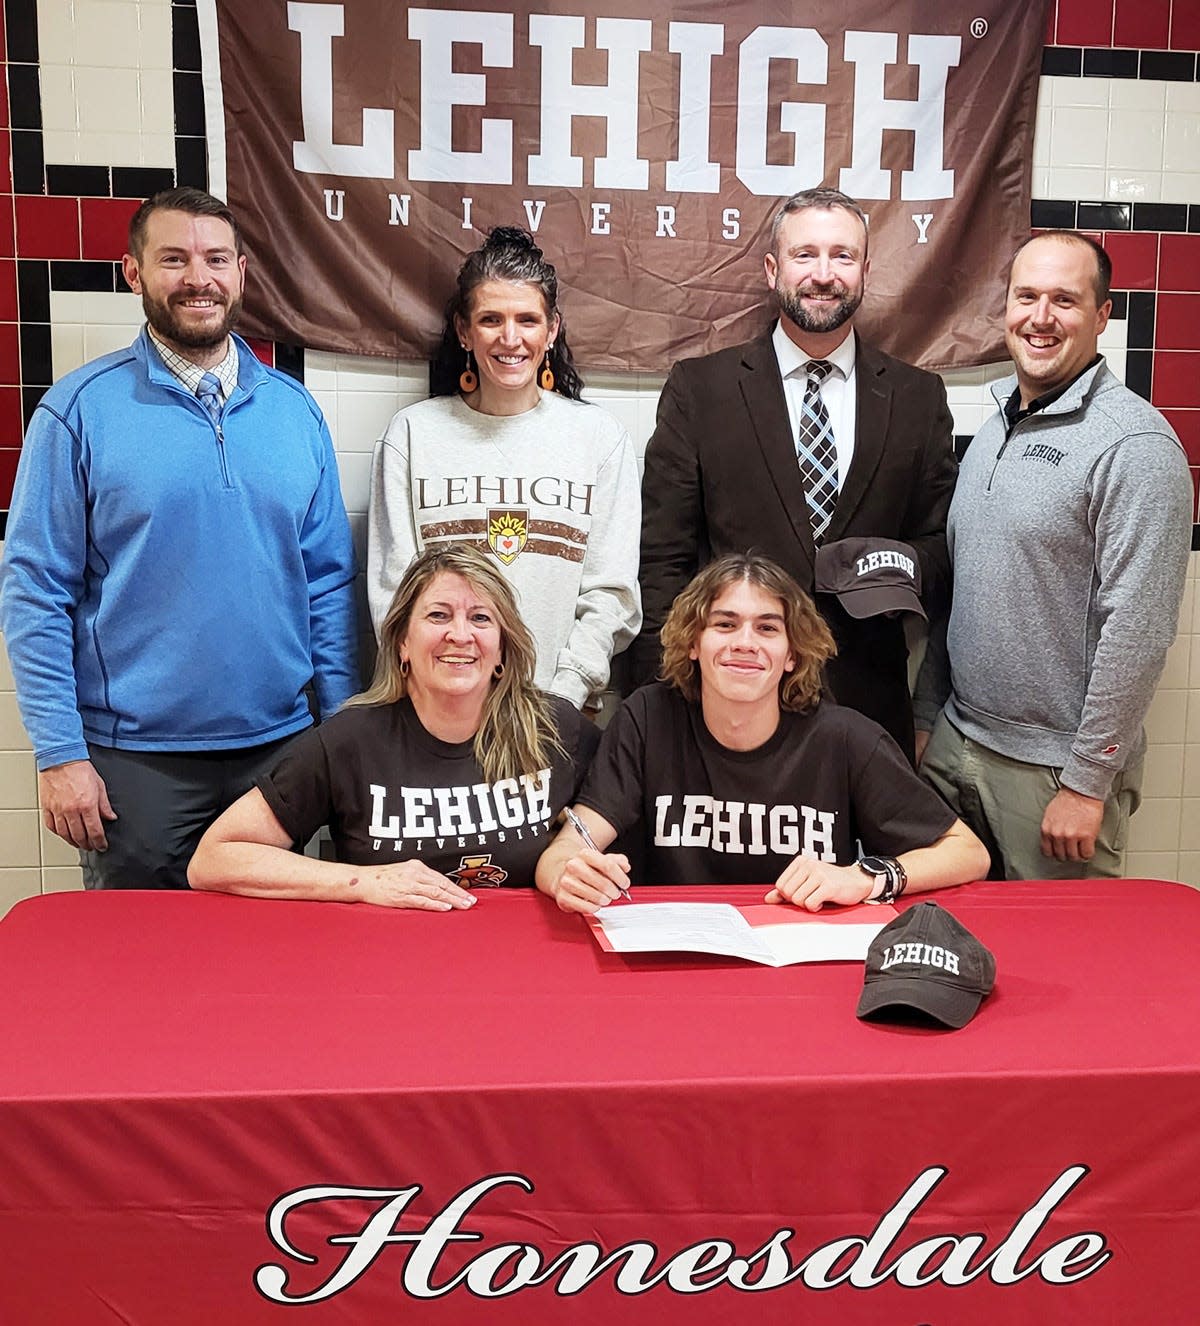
(809, 639)
(508, 254)
(517, 734)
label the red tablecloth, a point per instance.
(173, 1066)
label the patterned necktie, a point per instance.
(209, 394)
(815, 450)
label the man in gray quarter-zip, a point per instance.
(178, 571)
(1069, 534)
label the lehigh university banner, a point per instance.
(366, 146)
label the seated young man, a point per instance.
(735, 771)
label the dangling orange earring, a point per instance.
(546, 379)
(467, 381)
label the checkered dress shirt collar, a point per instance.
(189, 374)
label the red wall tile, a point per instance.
(106, 227)
(1134, 255)
(9, 456)
(1186, 424)
(1177, 323)
(5, 161)
(1085, 22)
(1176, 379)
(1179, 262)
(8, 291)
(1051, 21)
(263, 350)
(1142, 23)
(10, 355)
(10, 417)
(1185, 25)
(47, 227)
(8, 239)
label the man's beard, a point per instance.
(824, 317)
(164, 320)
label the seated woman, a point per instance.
(735, 771)
(505, 454)
(444, 776)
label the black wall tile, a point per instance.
(1174, 66)
(33, 289)
(185, 39)
(189, 105)
(141, 181)
(1051, 214)
(1139, 328)
(29, 174)
(1064, 61)
(1138, 367)
(1160, 216)
(191, 162)
(30, 397)
(24, 96)
(1120, 304)
(1104, 216)
(79, 181)
(289, 359)
(1100, 62)
(81, 276)
(21, 31)
(37, 370)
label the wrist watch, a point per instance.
(892, 873)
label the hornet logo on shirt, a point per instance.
(508, 532)
(477, 872)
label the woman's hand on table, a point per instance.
(591, 880)
(808, 883)
(409, 884)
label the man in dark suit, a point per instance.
(797, 439)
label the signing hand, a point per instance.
(409, 884)
(807, 883)
(75, 804)
(591, 880)
(1070, 826)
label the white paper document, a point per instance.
(774, 935)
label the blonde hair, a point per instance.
(517, 733)
(809, 640)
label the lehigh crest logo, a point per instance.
(508, 532)
(477, 872)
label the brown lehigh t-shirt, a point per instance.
(825, 781)
(389, 791)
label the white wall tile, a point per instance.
(106, 35)
(16, 885)
(1087, 183)
(19, 838)
(62, 879)
(1152, 865)
(1175, 673)
(12, 730)
(1077, 91)
(1079, 136)
(60, 113)
(1156, 825)
(1135, 141)
(1189, 869)
(1167, 716)
(57, 851)
(362, 417)
(1134, 186)
(1189, 825)
(92, 306)
(354, 467)
(1179, 187)
(18, 781)
(1163, 773)
(66, 348)
(108, 98)
(154, 35)
(1135, 94)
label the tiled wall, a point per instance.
(104, 105)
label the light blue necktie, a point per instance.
(209, 394)
(815, 450)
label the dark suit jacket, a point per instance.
(721, 476)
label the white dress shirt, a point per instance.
(837, 391)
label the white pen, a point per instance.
(582, 830)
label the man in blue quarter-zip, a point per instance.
(1069, 535)
(177, 588)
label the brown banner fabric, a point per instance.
(367, 146)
